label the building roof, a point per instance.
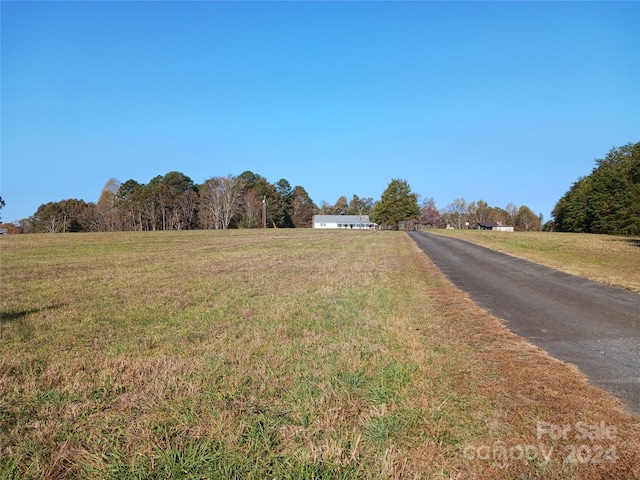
(342, 219)
(492, 225)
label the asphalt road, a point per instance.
(594, 326)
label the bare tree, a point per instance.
(220, 201)
(325, 208)
(526, 220)
(512, 211)
(456, 213)
(52, 224)
(252, 206)
(210, 201)
(478, 211)
(107, 211)
(188, 209)
(150, 213)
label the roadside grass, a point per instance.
(614, 260)
(276, 354)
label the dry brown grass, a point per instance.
(296, 354)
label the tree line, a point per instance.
(399, 208)
(462, 214)
(174, 202)
(607, 200)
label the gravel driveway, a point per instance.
(594, 326)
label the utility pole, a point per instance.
(264, 211)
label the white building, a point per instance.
(360, 222)
(494, 226)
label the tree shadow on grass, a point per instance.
(632, 241)
(6, 317)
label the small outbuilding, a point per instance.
(358, 222)
(497, 226)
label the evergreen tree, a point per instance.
(607, 200)
(397, 205)
(302, 208)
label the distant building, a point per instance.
(358, 222)
(4, 231)
(497, 226)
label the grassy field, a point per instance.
(605, 258)
(277, 354)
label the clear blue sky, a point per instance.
(505, 102)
